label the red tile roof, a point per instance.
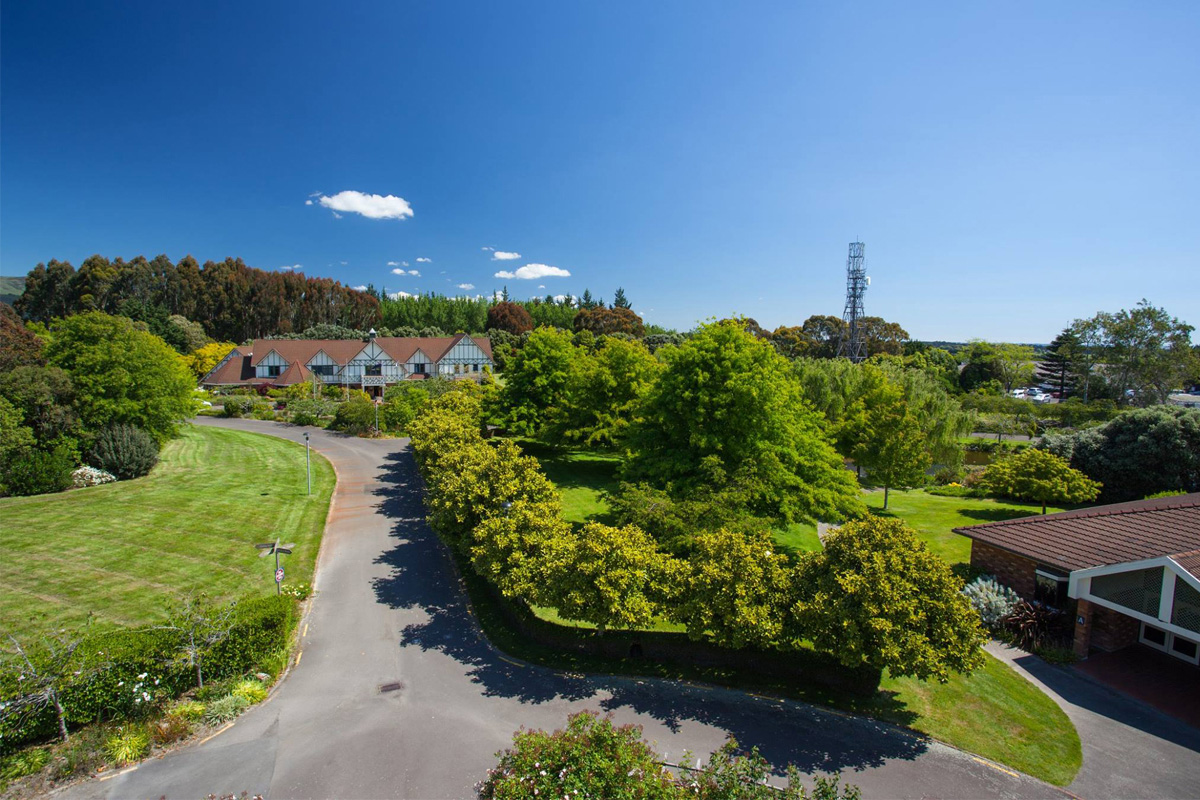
(1093, 537)
(401, 349)
(295, 373)
(235, 369)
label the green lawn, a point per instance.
(125, 550)
(581, 477)
(934, 517)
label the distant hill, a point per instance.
(11, 288)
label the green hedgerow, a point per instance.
(187, 709)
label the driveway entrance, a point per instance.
(1169, 684)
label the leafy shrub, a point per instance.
(125, 451)
(263, 412)
(40, 472)
(301, 590)
(356, 416)
(1034, 625)
(993, 601)
(308, 412)
(947, 475)
(239, 405)
(955, 491)
(225, 709)
(252, 690)
(169, 729)
(128, 744)
(187, 709)
(90, 476)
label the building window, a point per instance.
(1138, 590)
(374, 369)
(418, 369)
(1050, 588)
(274, 371)
(324, 370)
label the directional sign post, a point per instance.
(275, 547)
(307, 463)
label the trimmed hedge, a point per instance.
(110, 663)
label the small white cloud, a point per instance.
(393, 263)
(344, 263)
(336, 215)
(292, 267)
(314, 194)
(359, 288)
(534, 271)
(487, 248)
(562, 298)
(371, 206)
(415, 272)
(398, 271)
(398, 295)
(497, 295)
(501, 255)
(541, 286)
(466, 286)
(424, 260)
(308, 202)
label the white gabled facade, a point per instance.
(270, 366)
(465, 357)
(372, 366)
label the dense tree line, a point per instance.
(231, 301)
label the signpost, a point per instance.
(275, 547)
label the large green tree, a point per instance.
(122, 375)
(727, 408)
(19, 346)
(1040, 476)
(1012, 365)
(875, 596)
(1148, 353)
(535, 378)
(602, 394)
(889, 442)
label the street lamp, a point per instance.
(275, 547)
(307, 463)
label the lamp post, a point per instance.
(307, 463)
(376, 416)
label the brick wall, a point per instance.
(1112, 630)
(1010, 569)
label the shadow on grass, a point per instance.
(997, 514)
(422, 575)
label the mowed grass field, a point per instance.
(124, 552)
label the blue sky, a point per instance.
(1010, 166)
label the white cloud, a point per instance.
(541, 286)
(501, 255)
(562, 298)
(337, 215)
(393, 263)
(292, 267)
(415, 272)
(398, 271)
(487, 248)
(534, 271)
(466, 286)
(424, 260)
(497, 295)
(344, 263)
(371, 206)
(362, 288)
(314, 194)
(308, 202)
(398, 295)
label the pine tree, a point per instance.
(1055, 366)
(586, 300)
(619, 300)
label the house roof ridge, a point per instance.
(1089, 513)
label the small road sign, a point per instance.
(279, 575)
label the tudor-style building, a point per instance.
(368, 364)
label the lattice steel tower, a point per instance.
(851, 343)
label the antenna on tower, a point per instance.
(851, 343)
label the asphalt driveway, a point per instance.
(389, 610)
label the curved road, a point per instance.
(389, 609)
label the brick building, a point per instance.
(1129, 572)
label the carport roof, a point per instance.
(1103, 535)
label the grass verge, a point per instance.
(124, 551)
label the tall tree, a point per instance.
(535, 379)
(1055, 366)
(619, 300)
(19, 346)
(601, 320)
(509, 317)
(1148, 353)
(727, 409)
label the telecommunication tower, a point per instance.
(851, 343)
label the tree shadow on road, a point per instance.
(422, 576)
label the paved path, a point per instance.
(1130, 750)
(388, 609)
